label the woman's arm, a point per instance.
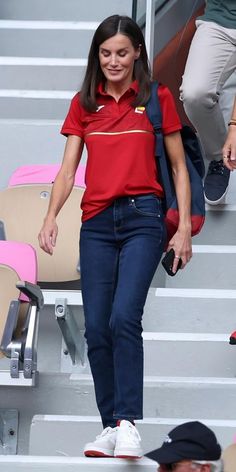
(229, 149)
(181, 241)
(61, 190)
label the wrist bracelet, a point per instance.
(232, 122)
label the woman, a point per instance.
(123, 232)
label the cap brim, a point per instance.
(164, 455)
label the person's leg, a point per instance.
(211, 61)
(138, 228)
(98, 260)
(141, 234)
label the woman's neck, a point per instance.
(116, 90)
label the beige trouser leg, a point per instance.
(211, 61)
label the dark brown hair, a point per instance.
(110, 27)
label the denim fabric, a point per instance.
(120, 249)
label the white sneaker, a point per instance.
(128, 441)
(104, 444)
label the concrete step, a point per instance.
(35, 141)
(178, 354)
(163, 396)
(41, 74)
(173, 310)
(189, 354)
(63, 11)
(210, 267)
(190, 310)
(217, 220)
(73, 464)
(166, 352)
(46, 39)
(174, 396)
(32, 104)
(66, 435)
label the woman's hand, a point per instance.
(48, 235)
(181, 242)
(61, 190)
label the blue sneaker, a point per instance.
(216, 183)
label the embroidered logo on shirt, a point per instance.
(139, 109)
(100, 107)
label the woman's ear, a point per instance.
(138, 52)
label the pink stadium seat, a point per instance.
(22, 258)
(42, 174)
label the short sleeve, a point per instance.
(170, 118)
(73, 122)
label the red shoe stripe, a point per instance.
(92, 453)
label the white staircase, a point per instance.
(190, 368)
(43, 54)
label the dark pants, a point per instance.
(120, 249)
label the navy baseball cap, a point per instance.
(192, 440)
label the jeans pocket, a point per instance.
(147, 205)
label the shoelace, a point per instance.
(106, 431)
(216, 167)
(133, 431)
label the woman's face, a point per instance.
(117, 56)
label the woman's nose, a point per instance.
(114, 60)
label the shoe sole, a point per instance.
(128, 453)
(91, 453)
(124, 456)
(216, 202)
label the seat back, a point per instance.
(17, 262)
(8, 292)
(22, 210)
(42, 174)
(22, 258)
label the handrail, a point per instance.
(134, 9)
(148, 24)
(149, 29)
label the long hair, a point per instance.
(110, 27)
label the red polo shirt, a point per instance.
(120, 142)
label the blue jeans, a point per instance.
(120, 249)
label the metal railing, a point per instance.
(143, 12)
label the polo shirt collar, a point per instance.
(133, 88)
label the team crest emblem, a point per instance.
(139, 109)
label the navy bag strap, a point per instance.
(154, 113)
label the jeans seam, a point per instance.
(131, 416)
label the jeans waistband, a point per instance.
(129, 198)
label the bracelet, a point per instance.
(232, 122)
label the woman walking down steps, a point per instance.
(123, 234)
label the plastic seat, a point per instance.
(23, 206)
(20, 302)
(42, 174)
